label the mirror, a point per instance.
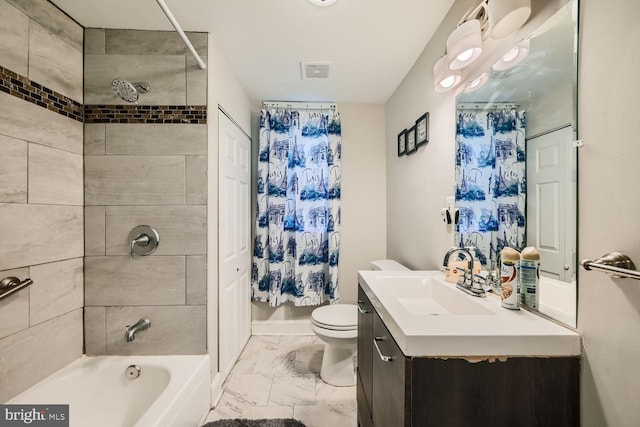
(516, 160)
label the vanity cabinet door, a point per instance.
(388, 408)
(365, 358)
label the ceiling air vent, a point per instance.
(315, 70)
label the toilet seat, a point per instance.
(336, 317)
(334, 327)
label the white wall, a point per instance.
(225, 90)
(609, 310)
(418, 184)
(363, 234)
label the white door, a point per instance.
(234, 227)
(550, 213)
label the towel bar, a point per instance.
(615, 264)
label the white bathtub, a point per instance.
(558, 299)
(170, 391)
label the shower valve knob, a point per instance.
(143, 240)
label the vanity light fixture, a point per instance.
(322, 3)
(477, 83)
(507, 16)
(464, 44)
(513, 57)
(445, 79)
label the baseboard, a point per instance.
(216, 389)
(217, 383)
(281, 327)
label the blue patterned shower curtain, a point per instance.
(296, 247)
(491, 184)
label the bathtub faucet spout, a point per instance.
(132, 330)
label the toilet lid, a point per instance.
(336, 316)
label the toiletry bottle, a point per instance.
(509, 260)
(530, 277)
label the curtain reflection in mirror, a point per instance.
(490, 179)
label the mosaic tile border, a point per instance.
(193, 114)
(30, 91)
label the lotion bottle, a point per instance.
(509, 263)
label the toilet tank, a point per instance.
(387, 264)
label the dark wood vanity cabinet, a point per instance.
(381, 396)
(395, 390)
(365, 359)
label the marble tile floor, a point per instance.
(279, 377)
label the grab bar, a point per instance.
(11, 285)
(615, 264)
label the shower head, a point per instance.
(129, 91)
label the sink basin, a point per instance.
(430, 297)
(428, 316)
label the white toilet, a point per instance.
(337, 326)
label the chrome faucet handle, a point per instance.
(143, 240)
(491, 280)
(482, 283)
(466, 278)
(470, 284)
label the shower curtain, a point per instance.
(297, 242)
(490, 180)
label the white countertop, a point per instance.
(456, 324)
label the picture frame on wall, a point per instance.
(422, 129)
(411, 140)
(402, 142)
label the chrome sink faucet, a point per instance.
(132, 330)
(466, 281)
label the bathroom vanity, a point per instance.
(430, 355)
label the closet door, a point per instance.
(234, 228)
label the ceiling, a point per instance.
(372, 44)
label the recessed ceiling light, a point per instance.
(323, 3)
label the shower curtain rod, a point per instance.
(183, 36)
(300, 105)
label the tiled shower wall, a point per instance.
(41, 191)
(145, 165)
